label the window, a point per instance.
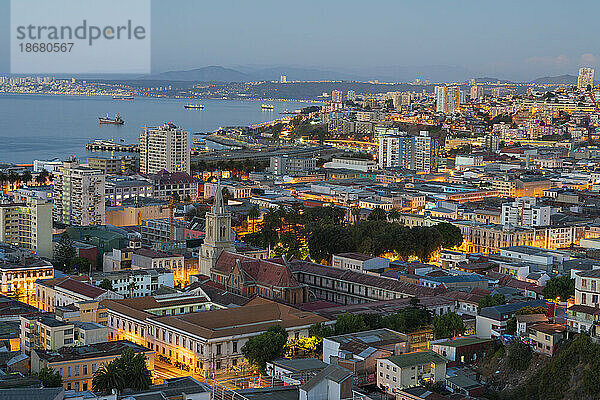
(235, 347)
(218, 350)
(93, 368)
(77, 370)
(85, 370)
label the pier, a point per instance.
(108, 145)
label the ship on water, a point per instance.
(117, 120)
(194, 106)
(123, 97)
(267, 106)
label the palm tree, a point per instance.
(108, 377)
(26, 177)
(42, 177)
(139, 375)
(253, 214)
(131, 288)
(394, 214)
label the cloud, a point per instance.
(556, 61)
(588, 59)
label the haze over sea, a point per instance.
(46, 127)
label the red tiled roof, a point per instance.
(81, 288)
(259, 271)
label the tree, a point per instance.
(490, 301)
(561, 287)
(253, 214)
(310, 344)
(18, 293)
(50, 378)
(42, 177)
(265, 347)
(65, 252)
(378, 214)
(108, 377)
(131, 288)
(350, 323)
(324, 241)
(451, 235)
(321, 330)
(106, 284)
(519, 355)
(81, 265)
(447, 325)
(393, 215)
(127, 371)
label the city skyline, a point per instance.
(468, 38)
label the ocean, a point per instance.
(47, 127)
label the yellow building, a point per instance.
(27, 225)
(18, 279)
(77, 365)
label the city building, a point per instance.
(166, 185)
(78, 197)
(545, 336)
(121, 188)
(27, 225)
(462, 350)
(524, 211)
(447, 99)
(476, 92)
(18, 278)
(396, 151)
(491, 321)
(286, 165)
(405, 370)
(47, 332)
(114, 165)
(77, 365)
(358, 352)
(218, 235)
(206, 341)
(248, 277)
(426, 154)
(136, 283)
(585, 78)
(345, 286)
(165, 147)
(359, 262)
(351, 163)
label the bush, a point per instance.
(519, 355)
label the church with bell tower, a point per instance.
(218, 234)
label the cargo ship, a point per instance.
(194, 106)
(123, 97)
(117, 120)
(267, 106)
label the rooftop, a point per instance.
(98, 350)
(464, 341)
(417, 358)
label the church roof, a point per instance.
(260, 271)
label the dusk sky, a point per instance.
(517, 40)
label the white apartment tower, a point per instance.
(27, 225)
(78, 197)
(336, 96)
(218, 234)
(585, 78)
(396, 151)
(166, 148)
(523, 212)
(426, 153)
(476, 92)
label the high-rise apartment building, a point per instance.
(447, 99)
(78, 195)
(27, 225)
(476, 92)
(336, 96)
(166, 148)
(396, 151)
(585, 78)
(524, 212)
(351, 95)
(284, 165)
(427, 149)
(283, 79)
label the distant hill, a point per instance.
(491, 80)
(556, 80)
(211, 73)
